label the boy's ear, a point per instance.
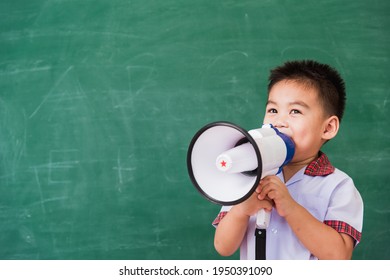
(331, 127)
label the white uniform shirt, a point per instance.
(327, 193)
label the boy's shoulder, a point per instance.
(323, 179)
(320, 178)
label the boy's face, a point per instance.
(295, 110)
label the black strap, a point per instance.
(260, 243)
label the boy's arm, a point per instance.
(230, 232)
(232, 228)
(321, 240)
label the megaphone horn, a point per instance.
(226, 162)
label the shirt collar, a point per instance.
(320, 166)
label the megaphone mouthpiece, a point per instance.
(238, 159)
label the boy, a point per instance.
(316, 211)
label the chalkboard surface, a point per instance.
(99, 101)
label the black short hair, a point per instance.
(324, 78)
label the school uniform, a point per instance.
(327, 193)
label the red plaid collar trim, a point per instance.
(320, 167)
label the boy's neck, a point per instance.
(293, 167)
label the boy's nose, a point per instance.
(280, 122)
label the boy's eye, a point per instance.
(294, 111)
(272, 111)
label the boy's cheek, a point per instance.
(266, 120)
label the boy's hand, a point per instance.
(273, 188)
(253, 204)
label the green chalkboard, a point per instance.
(99, 101)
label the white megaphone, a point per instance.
(226, 163)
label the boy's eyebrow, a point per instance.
(299, 103)
(270, 102)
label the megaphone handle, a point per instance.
(263, 218)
